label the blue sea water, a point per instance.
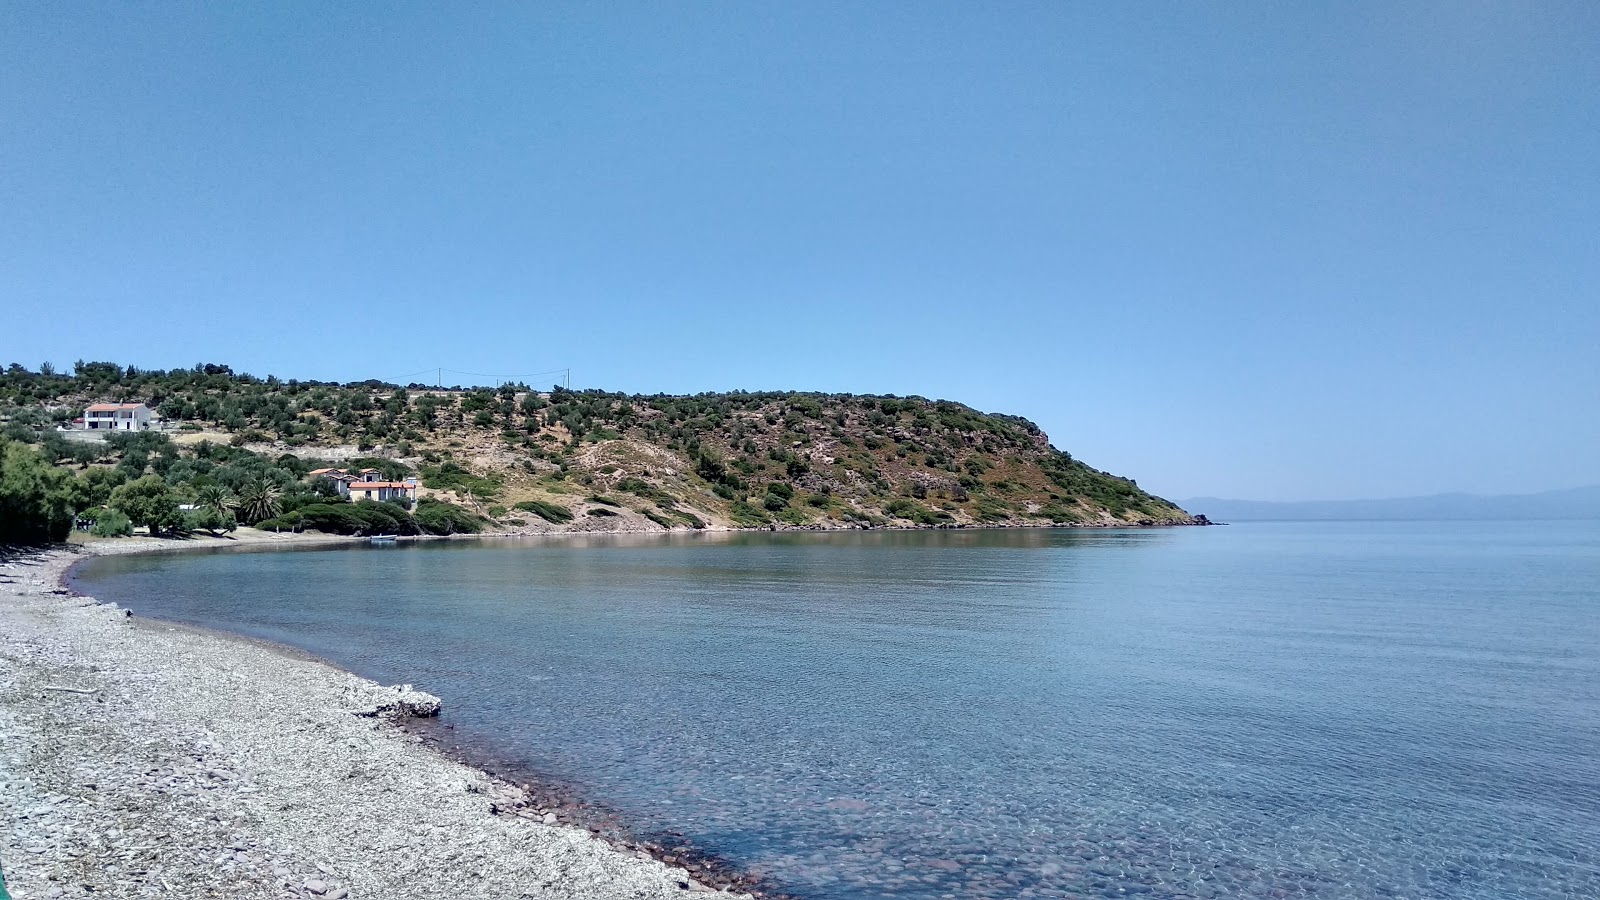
(1305, 710)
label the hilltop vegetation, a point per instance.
(529, 460)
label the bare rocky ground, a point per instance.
(139, 759)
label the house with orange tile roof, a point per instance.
(403, 491)
(116, 417)
(369, 484)
(339, 477)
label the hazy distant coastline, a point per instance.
(1573, 503)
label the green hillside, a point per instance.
(525, 459)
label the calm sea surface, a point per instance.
(1276, 710)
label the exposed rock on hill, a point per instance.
(597, 461)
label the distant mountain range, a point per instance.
(1574, 503)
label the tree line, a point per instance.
(144, 480)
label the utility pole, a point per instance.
(438, 380)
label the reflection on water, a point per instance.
(1315, 710)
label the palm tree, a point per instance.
(217, 498)
(259, 501)
(216, 504)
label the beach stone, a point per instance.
(402, 700)
(316, 886)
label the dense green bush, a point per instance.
(641, 488)
(449, 476)
(326, 517)
(110, 523)
(1059, 514)
(549, 512)
(992, 511)
(148, 501)
(289, 521)
(36, 498)
(436, 517)
(747, 516)
(365, 518)
(210, 520)
(906, 508)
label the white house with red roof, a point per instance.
(116, 417)
(369, 484)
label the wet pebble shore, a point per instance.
(146, 760)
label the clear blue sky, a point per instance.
(1261, 250)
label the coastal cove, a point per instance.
(145, 758)
(1328, 710)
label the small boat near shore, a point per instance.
(381, 539)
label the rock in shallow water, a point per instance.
(402, 700)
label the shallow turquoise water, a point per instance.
(1277, 710)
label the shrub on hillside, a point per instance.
(549, 512)
(436, 517)
(906, 508)
(747, 516)
(449, 476)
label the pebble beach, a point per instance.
(142, 759)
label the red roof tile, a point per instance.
(112, 407)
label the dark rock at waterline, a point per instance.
(402, 701)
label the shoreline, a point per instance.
(148, 758)
(102, 645)
(541, 792)
(250, 539)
